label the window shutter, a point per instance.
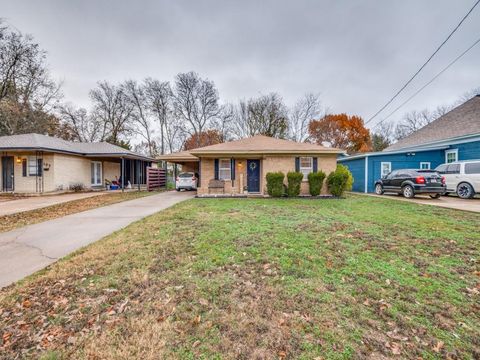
(315, 164)
(40, 167)
(24, 167)
(199, 172)
(232, 167)
(297, 164)
(216, 169)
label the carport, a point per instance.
(187, 161)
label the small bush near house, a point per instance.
(275, 183)
(77, 187)
(339, 181)
(315, 182)
(294, 182)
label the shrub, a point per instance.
(339, 181)
(294, 182)
(77, 187)
(275, 183)
(315, 182)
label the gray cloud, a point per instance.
(355, 53)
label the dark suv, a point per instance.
(409, 182)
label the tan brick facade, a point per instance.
(60, 172)
(327, 163)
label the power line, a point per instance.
(431, 81)
(424, 64)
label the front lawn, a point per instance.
(260, 278)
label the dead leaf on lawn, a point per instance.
(437, 348)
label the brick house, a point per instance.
(34, 163)
(243, 164)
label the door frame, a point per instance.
(4, 175)
(259, 176)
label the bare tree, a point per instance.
(195, 101)
(305, 109)
(112, 108)
(159, 95)
(141, 115)
(83, 127)
(265, 115)
(383, 136)
(416, 120)
(224, 121)
(175, 134)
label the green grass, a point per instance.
(261, 278)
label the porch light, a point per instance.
(19, 160)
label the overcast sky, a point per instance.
(357, 54)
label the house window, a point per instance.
(425, 166)
(306, 166)
(34, 166)
(224, 169)
(96, 172)
(451, 155)
(386, 168)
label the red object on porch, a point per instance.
(156, 178)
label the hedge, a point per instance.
(294, 182)
(340, 180)
(275, 183)
(315, 182)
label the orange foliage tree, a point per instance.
(204, 138)
(342, 131)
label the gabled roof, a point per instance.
(260, 144)
(38, 142)
(464, 120)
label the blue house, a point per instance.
(452, 137)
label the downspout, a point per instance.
(366, 174)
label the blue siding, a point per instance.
(468, 151)
(357, 168)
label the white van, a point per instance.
(462, 177)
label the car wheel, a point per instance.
(465, 191)
(379, 189)
(408, 192)
(435, 196)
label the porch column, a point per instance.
(122, 175)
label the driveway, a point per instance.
(14, 205)
(31, 248)
(451, 202)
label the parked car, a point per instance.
(186, 181)
(409, 182)
(462, 177)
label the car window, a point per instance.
(472, 168)
(453, 169)
(391, 175)
(402, 175)
(186, 175)
(442, 168)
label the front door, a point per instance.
(7, 173)
(253, 176)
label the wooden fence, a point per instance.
(156, 178)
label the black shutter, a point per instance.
(199, 172)
(232, 167)
(24, 167)
(315, 165)
(216, 169)
(40, 167)
(297, 164)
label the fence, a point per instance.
(156, 178)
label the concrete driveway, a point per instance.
(451, 202)
(31, 248)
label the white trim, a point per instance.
(389, 168)
(229, 168)
(309, 168)
(95, 175)
(451, 151)
(425, 163)
(381, 153)
(366, 174)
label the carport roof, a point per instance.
(182, 156)
(38, 142)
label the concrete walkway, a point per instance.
(31, 248)
(16, 205)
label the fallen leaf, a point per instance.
(438, 347)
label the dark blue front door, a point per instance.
(253, 175)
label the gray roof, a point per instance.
(53, 144)
(464, 120)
